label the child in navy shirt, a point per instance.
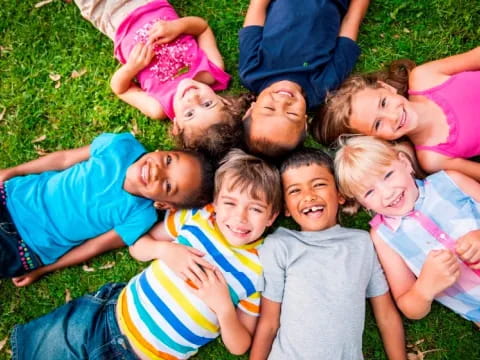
(291, 54)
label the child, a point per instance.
(291, 53)
(75, 204)
(208, 267)
(426, 232)
(316, 279)
(177, 65)
(439, 114)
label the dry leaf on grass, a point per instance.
(39, 150)
(134, 131)
(107, 265)
(42, 3)
(87, 268)
(68, 295)
(2, 113)
(57, 84)
(3, 342)
(54, 77)
(39, 139)
(77, 74)
(415, 353)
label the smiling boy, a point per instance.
(317, 279)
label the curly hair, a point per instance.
(216, 140)
(332, 119)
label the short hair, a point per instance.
(252, 174)
(219, 138)
(203, 195)
(266, 148)
(307, 156)
(333, 117)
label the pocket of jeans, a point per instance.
(116, 349)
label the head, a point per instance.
(208, 122)
(277, 121)
(247, 197)
(372, 104)
(309, 189)
(172, 179)
(376, 174)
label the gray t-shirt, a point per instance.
(322, 279)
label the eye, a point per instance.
(293, 191)
(208, 103)
(257, 210)
(269, 108)
(228, 203)
(293, 114)
(388, 174)
(319, 184)
(368, 193)
(383, 102)
(376, 125)
(168, 187)
(168, 159)
(188, 114)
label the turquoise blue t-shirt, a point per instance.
(57, 210)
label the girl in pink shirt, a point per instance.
(177, 67)
(439, 113)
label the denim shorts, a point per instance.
(15, 256)
(84, 328)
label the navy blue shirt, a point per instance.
(300, 43)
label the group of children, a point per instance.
(298, 294)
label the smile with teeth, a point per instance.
(284, 92)
(145, 173)
(313, 209)
(187, 90)
(402, 120)
(238, 231)
(397, 200)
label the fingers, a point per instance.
(21, 281)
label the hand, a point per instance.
(140, 56)
(440, 271)
(212, 288)
(468, 248)
(6, 174)
(28, 278)
(163, 32)
(185, 261)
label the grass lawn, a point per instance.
(43, 108)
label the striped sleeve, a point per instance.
(251, 305)
(175, 219)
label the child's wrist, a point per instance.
(422, 292)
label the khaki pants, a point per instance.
(107, 15)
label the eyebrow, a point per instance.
(312, 180)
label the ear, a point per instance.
(163, 205)
(176, 129)
(341, 199)
(287, 213)
(225, 101)
(249, 111)
(386, 86)
(272, 219)
(405, 160)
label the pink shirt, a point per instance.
(459, 99)
(179, 59)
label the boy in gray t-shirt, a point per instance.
(317, 279)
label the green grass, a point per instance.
(54, 39)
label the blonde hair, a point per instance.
(333, 118)
(252, 174)
(362, 156)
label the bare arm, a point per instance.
(58, 160)
(89, 249)
(206, 42)
(414, 296)
(256, 13)
(431, 162)
(266, 330)
(390, 326)
(353, 18)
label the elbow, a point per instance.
(115, 88)
(154, 111)
(240, 349)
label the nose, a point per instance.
(386, 192)
(194, 97)
(281, 99)
(310, 196)
(242, 214)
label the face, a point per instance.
(166, 177)
(196, 107)
(241, 218)
(311, 197)
(279, 113)
(393, 193)
(383, 113)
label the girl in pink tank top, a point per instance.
(438, 113)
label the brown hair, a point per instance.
(252, 174)
(332, 119)
(216, 140)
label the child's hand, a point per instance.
(212, 288)
(468, 248)
(140, 56)
(28, 278)
(164, 32)
(185, 261)
(440, 271)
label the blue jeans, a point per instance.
(84, 328)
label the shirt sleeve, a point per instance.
(378, 284)
(250, 38)
(338, 68)
(175, 219)
(137, 224)
(273, 258)
(123, 145)
(251, 305)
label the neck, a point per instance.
(426, 120)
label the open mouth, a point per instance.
(313, 210)
(144, 172)
(239, 231)
(403, 120)
(189, 88)
(397, 200)
(284, 93)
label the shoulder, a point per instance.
(125, 141)
(279, 239)
(354, 234)
(424, 77)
